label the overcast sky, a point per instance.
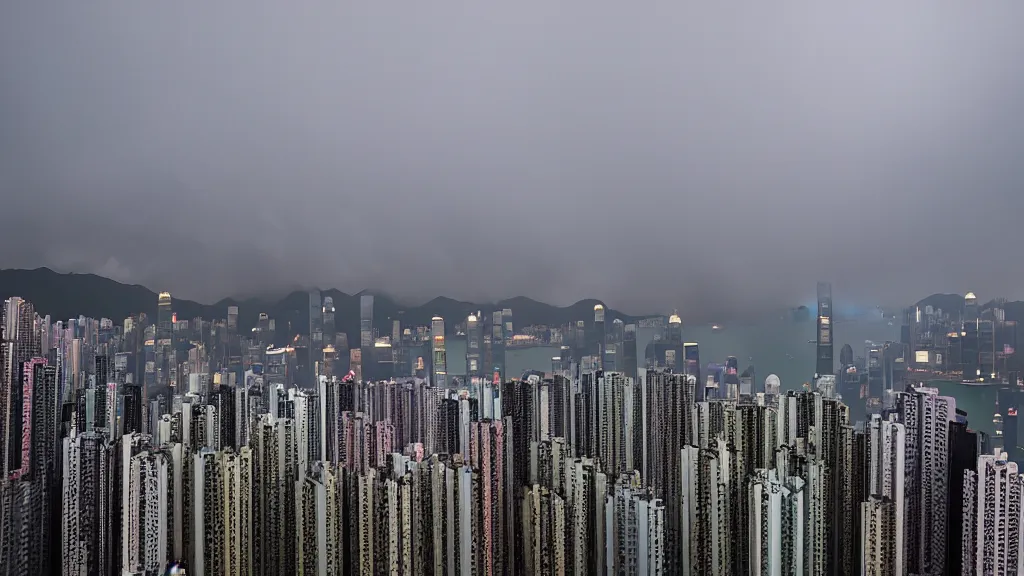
(652, 154)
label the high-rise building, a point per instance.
(544, 536)
(148, 494)
(667, 425)
(438, 352)
(366, 320)
(487, 456)
(320, 541)
(619, 423)
(926, 416)
(825, 362)
(275, 473)
(474, 346)
(21, 413)
(704, 502)
(86, 544)
(635, 531)
(597, 339)
(164, 339)
(208, 530)
(965, 445)
(18, 343)
(329, 327)
(629, 352)
(237, 490)
(880, 551)
(883, 516)
(497, 334)
(232, 320)
(134, 419)
(992, 535)
(776, 512)
(164, 316)
(316, 335)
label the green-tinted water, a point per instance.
(782, 348)
(978, 401)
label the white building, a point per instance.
(634, 532)
(883, 515)
(880, 554)
(86, 515)
(776, 524)
(992, 538)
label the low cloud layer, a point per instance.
(653, 154)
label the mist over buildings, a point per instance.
(656, 155)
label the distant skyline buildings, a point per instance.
(238, 466)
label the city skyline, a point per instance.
(46, 279)
(198, 443)
(521, 288)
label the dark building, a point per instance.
(969, 352)
(875, 363)
(691, 367)
(14, 420)
(133, 417)
(965, 445)
(629, 359)
(448, 427)
(846, 355)
(228, 414)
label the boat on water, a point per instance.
(984, 383)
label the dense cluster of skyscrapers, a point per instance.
(130, 448)
(974, 342)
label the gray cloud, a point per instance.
(655, 154)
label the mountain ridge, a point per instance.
(70, 295)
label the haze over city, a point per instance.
(536, 288)
(653, 154)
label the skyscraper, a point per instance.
(316, 336)
(883, 516)
(926, 416)
(825, 363)
(668, 426)
(965, 445)
(147, 507)
(18, 343)
(164, 340)
(232, 320)
(635, 528)
(487, 456)
(366, 320)
(330, 329)
(992, 536)
(133, 415)
(87, 508)
(776, 511)
(440, 362)
(367, 360)
(474, 346)
(880, 551)
(544, 545)
(597, 339)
